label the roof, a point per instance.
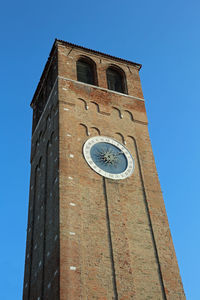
(79, 47)
(99, 53)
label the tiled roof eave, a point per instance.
(100, 53)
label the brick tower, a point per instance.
(97, 225)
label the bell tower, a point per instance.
(97, 225)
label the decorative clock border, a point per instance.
(97, 139)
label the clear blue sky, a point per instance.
(161, 35)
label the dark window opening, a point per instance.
(85, 72)
(115, 80)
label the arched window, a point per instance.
(115, 80)
(86, 71)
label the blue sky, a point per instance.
(161, 35)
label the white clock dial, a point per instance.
(108, 157)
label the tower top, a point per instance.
(99, 53)
(67, 44)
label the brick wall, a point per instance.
(41, 279)
(142, 249)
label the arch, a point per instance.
(96, 105)
(86, 70)
(121, 137)
(86, 128)
(129, 114)
(40, 137)
(132, 139)
(39, 163)
(118, 111)
(95, 130)
(84, 103)
(116, 79)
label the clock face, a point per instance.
(108, 157)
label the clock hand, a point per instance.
(121, 152)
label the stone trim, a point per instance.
(100, 88)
